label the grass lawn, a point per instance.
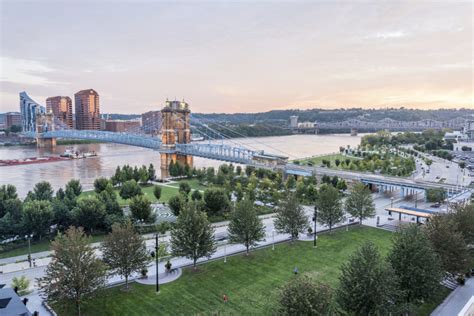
(318, 161)
(39, 246)
(252, 283)
(167, 191)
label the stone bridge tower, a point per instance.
(44, 123)
(175, 129)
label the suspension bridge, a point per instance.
(175, 145)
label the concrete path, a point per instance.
(164, 277)
(456, 300)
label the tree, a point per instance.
(143, 175)
(196, 195)
(130, 189)
(151, 173)
(436, 195)
(177, 203)
(37, 217)
(303, 296)
(42, 191)
(89, 213)
(330, 210)
(184, 188)
(216, 201)
(22, 284)
(109, 198)
(124, 250)
(463, 216)
(245, 226)
(192, 235)
(290, 217)
(360, 203)
(415, 265)
(140, 207)
(157, 192)
(290, 182)
(100, 184)
(74, 273)
(367, 285)
(73, 188)
(448, 243)
(7, 192)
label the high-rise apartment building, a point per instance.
(29, 108)
(151, 122)
(61, 107)
(87, 110)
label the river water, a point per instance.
(110, 156)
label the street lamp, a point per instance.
(156, 261)
(29, 247)
(273, 239)
(315, 218)
(391, 202)
(225, 252)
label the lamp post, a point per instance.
(273, 239)
(315, 218)
(29, 248)
(225, 253)
(391, 202)
(156, 261)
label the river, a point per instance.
(110, 156)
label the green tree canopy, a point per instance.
(448, 243)
(330, 211)
(37, 217)
(192, 235)
(124, 250)
(245, 226)
(74, 273)
(359, 203)
(130, 189)
(290, 217)
(89, 213)
(415, 264)
(303, 296)
(157, 191)
(100, 184)
(216, 201)
(140, 207)
(367, 283)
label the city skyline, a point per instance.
(240, 57)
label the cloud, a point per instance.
(24, 71)
(387, 35)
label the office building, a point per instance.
(86, 103)
(61, 107)
(29, 109)
(12, 118)
(294, 121)
(151, 122)
(122, 126)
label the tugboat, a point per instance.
(70, 153)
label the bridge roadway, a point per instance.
(370, 178)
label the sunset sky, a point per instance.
(245, 56)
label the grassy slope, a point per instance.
(251, 283)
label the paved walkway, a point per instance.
(456, 300)
(164, 277)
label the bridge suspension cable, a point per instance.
(244, 136)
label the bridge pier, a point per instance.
(45, 142)
(166, 160)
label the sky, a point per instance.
(240, 56)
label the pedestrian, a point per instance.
(226, 299)
(295, 270)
